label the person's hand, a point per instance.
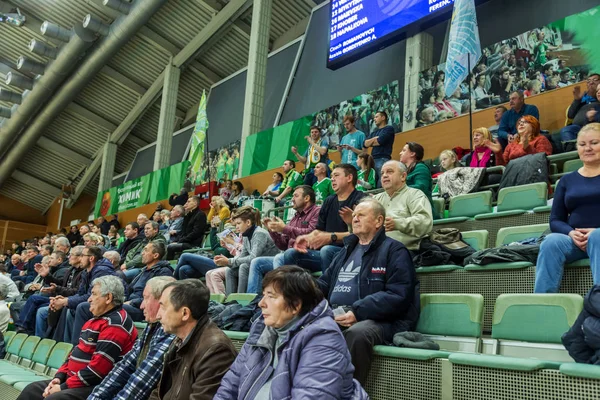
(37, 267)
(493, 146)
(309, 140)
(591, 114)
(221, 261)
(294, 150)
(34, 287)
(123, 267)
(58, 302)
(346, 215)
(172, 232)
(265, 222)
(52, 383)
(53, 389)
(389, 224)
(347, 320)
(579, 239)
(22, 273)
(319, 239)
(44, 271)
(127, 302)
(301, 244)
(276, 225)
(49, 289)
(511, 138)
(525, 141)
(577, 94)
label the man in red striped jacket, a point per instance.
(103, 341)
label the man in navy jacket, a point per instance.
(374, 281)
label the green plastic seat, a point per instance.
(8, 336)
(57, 357)
(518, 199)
(242, 298)
(235, 335)
(509, 235)
(447, 221)
(579, 263)
(471, 204)
(317, 274)
(218, 297)
(412, 354)
(476, 239)
(581, 370)
(501, 362)
(451, 314)
(13, 349)
(438, 208)
(140, 326)
(438, 268)
(23, 358)
(21, 385)
(542, 209)
(572, 165)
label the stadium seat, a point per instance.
(140, 326)
(35, 363)
(8, 336)
(13, 349)
(471, 204)
(518, 200)
(219, 298)
(438, 208)
(237, 338)
(530, 322)
(23, 357)
(581, 370)
(476, 239)
(572, 165)
(242, 298)
(509, 235)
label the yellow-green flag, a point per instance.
(196, 155)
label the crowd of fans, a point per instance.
(314, 335)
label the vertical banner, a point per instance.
(196, 155)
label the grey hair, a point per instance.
(376, 206)
(165, 212)
(77, 250)
(46, 259)
(62, 241)
(113, 285)
(113, 256)
(157, 285)
(180, 209)
(399, 164)
(3, 291)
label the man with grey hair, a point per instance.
(372, 285)
(4, 311)
(409, 216)
(139, 372)
(103, 341)
(62, 244)
(114, 257)
(175, 224)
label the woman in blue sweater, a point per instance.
(574, 218)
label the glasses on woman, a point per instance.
(522, 122)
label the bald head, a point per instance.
(393, 176)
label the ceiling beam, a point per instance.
(61, 150)
(291, 34)
(204, 72)
(311, 3)
(223, 19)
(36, 183)
(90, 116)
(123, 80)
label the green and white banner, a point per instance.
(155, 186)
(196, 155)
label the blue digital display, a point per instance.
(358, 23)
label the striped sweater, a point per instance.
(104, 340)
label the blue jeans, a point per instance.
(41, 321)
(313, 260)
(69, 320)
(29, 310)
(193, 266)
(258, 268)
(82, 315)
(378, 165)
(569, 132)
(556, 251)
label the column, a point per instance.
(419, 55)
(166, 124)
(257, 72)
(107, 169)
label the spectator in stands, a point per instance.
(503, 84)
(157, 217)
(102, 342)
(498, 113)
(441, 104)
(303, 222)
(132, 246)
(74, 236)
(15, 266)
(178, 199)
(13, 291)
(374, 281)
(582, 103)
(427, 116)
(313, 361)
(28, 274)
(317, 152)
(448, 161)
(237, 193)
(322, 186)
(483, 99)
(291, 180)
(574, 219)
(352, 142)
(528, 140)
(138, 373)
(409, 215)
(315, 250)
(52, 286)
(273, 188)
(104, 225)
(134, 266)
(94, 266)
(4, 311)
(175, 224)
(508, 124)
(83, 230)
(382, 142)
(366, 172)
(112, 236)
(201, 354)
(219, 210)
(225, 192)
(115, 222)
(165, 215)
(486, 152)
(114, 257)
(62, 244)
(192, 229)
(419, 176)
(534, 87)
(142, 219)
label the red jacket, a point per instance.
(538, 145)
(104, 340)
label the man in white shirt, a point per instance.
(13, 291)
(4, 311)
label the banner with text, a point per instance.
(155, 186)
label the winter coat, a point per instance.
(460, 180)
(313, 362)
(134, 258)
(129, 244)
(582, 341)
(194, 368)
(505, 254)
(102, 268)
(527, 169)
(259, 245)
(193, 227)
(136, 287)
(388, 286)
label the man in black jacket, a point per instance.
(372, 286)
(192, 230)
(582, 103)
(132, 240)
(179, 199)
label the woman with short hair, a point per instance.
(419, 176)
(295, 349)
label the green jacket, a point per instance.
(420, 178)
(134, 256)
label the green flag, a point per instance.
(196, 155)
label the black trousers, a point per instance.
(177, 248)
(360, 338)
(34, 391)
